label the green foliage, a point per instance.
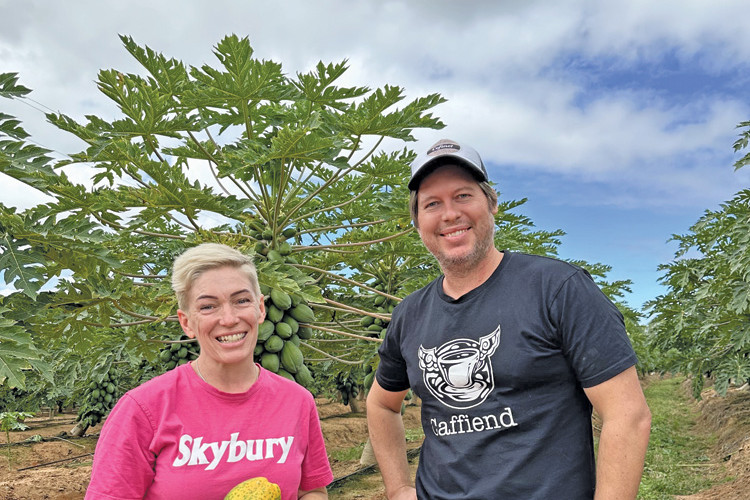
(12, 421)
(239, 153)
(307, 176)
(702, 323)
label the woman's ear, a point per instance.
(185, 323)
(262, 309)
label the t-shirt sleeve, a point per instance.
(391, 373)
(316, 469)
(123, 464)
(592, 331)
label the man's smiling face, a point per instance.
(455, 221)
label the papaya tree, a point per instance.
(307, 176)
(702, 324)
(240, 153)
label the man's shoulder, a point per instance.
(540, 263)
(417, 296)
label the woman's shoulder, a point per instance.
(161, 385)
(276, 383)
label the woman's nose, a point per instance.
(228, 316)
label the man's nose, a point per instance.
(450, 211)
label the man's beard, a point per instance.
(465, 263)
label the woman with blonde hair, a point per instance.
(204, 427)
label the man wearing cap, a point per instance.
(509, 353)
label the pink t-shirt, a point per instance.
(178, 437)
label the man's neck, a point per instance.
(459, 282)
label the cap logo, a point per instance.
(438, 148)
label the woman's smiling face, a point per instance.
(223, 314)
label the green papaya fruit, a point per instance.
(274, 343)
(265, 330)
(302, 313)
(283, 330)
(291, 357)
(304, 377)
(274, 313)
(270, 361)
(275, 255)
(291, 322)
(281, 299)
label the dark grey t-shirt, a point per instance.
(501, 372)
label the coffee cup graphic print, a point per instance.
(459, 373)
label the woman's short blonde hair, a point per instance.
(206, 256)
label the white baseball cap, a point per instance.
(446, 149)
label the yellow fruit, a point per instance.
(257, 488)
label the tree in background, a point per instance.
(702, 324)
(307, 176)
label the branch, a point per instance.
(338, 332)
(346, 280)
(357, 244)
(140, 276)
(137, 231)
(342, 226)
(331, 356)
(345, 307)
(134, 314)
(324, 209)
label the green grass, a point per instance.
(676, 462)
(347, 454)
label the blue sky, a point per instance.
(615, 119)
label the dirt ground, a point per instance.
(729, 418)
(66, 461)
(58, 467)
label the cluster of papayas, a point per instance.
(179, 353)
(280, 335)
(376, 327)
(273, 247)
(346, 384)
(98, 399)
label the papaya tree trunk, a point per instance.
(368, 455)
(79, 430)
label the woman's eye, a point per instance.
(206, 307)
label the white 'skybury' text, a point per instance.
(193, 451)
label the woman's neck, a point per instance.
(232, 378)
